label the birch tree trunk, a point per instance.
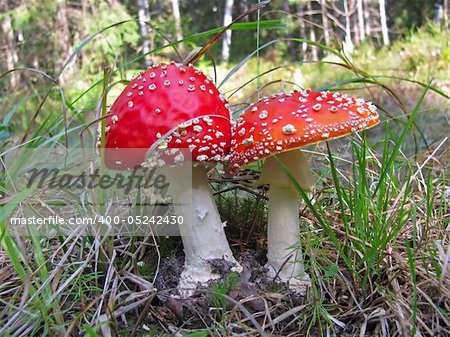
(227, 19)
(360, 9)
(312, 34)
(325, 22)
(367, 17)
(304, 45)
(383, 22)
(144, 16)
(177, 17)
(7, 40)
(446, 14)
(348, 30)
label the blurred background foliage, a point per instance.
(73, 41)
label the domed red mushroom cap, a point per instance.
(284, 122)
(173, 102)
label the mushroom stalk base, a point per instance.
(285, 260)
(202, 232)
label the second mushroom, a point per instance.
(278, 126)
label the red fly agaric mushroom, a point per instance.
(180, 106)
(279, 125)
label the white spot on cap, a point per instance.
(130, 104)
(191, 87)
(248, 141)
(152, 75)
(241, 132)
(264, 114)
(325, 135)
(255, 108)
(180, 82)
(157, 110)
(288, 129)
(166, 83)
(198, 128)
(203, 87)
(211, 91)
(219, 134)
(360, 110)
(114, 119)
(129, 94)
(317, 107)
(201, 157)
(152, 87)
(333, 109)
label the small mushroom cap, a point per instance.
(285, 122)
(172, 104)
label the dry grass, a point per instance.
(407, 294)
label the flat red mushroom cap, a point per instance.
(173, 103)
(284, 122)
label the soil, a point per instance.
(252, 289)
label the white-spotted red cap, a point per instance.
(170, 102)
(284, 122)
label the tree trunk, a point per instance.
(65, 44)
(227, 19)
(446, 14)
(291, 46)
(383, 20)
(360, 9)
(304, 46)
(144, 16)
(177, 17)
(348, 43)
(367, 17)
(312, 34)
(7, 40)
(325, 22)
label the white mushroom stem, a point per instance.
(285, 260)
(202, 231)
